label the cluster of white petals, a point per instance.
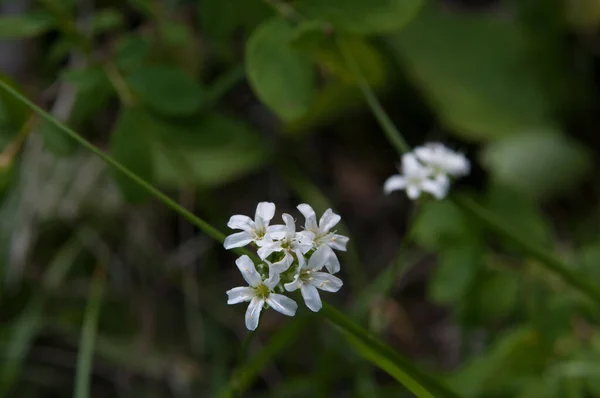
(290, 260)
(428, 168)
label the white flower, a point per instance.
(309, 279)
(416, 178)
(322, 235)
(258, 293)
(442, 160)
(283, 238)
(252, 230)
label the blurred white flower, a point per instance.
(309, 279)
(416, 178)
(322, 237)
(283, 238)
(443, 161)
(252, 230)
(258, 293)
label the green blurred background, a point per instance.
(225, 103)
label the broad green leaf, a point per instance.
(13, 114)
(106, 20)
(221, 19)
(521, 212)
(131, 52)
(516, 354)
(55, 140)
(363, 17)
(475, 71)
(130, 145)
(455, 273)
(165, 90)
(523, 162)
(208, 150)
(441, 225)
(494, 297)
(310, 38)
(23, 26)
(282, 77)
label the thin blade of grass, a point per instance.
(88, 335)
(31, 319)
(403, 370)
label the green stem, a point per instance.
(419, 382)
(201, 224)
(391, 132)
(88, 336)
(547, 259)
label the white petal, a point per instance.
(282, 304)
(338, 242)
(310, 216)
(277, 232)
(328, 220)
(394, 183)
(272, 281)
(410, 164)
(311, 297)
(413, 192)
(253, 313)
(239, 221)
(426, 153)
(266, 251)
(332, 264)
(246, 267)
(265, 211)
(325, 281)
(238, 239)
(279, 266)
(239, 294)
(290, 224)
(438, 189)
(300, 257)
(295, 284)
(319, 258)
(305, 238)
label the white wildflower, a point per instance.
(309, 279)
(283, 238)
(443, 161)
(258, 293)
(415, 178)
(252, 230)
(323, 238)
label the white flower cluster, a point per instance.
(428, 168)
(290, 260)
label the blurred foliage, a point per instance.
(227, 103)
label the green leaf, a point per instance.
(106, 20)
(165, 90)
(221, 19)
(441, 225)
(282, 78)
(414, 379)
(208, 150)
(13, 114)
(455, 273)
(131, 51)
(55, 140)
(495, 296)
(310, 38)
(130, 145)
(475, 71)
(363, 17)
(523, 161)
(23, 26)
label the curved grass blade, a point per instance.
(88, 335)
(417, 381)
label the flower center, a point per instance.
(262, 291)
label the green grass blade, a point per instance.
(403, 370)
(30, 320)
(88, 336)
